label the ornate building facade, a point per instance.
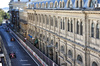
(68, 31)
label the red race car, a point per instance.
(12, 55)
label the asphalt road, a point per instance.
(22, 57)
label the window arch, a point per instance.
(81, 29)
(94, 64)
(77, 27)
(70, 53)
(68, 26)
(79, 58)
(71, 26)
(97, 31)
(92, 30)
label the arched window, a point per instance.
(81, 4)
(51, 41)
(46, 5)
(69, 4)
(62, 48)
(94, 64)
(47, 19)
(70, 53)
(39, 5)
(79, 58)
(60, 4)
(77, 27)
(51, 21)
(56, 44)
(63, 4)
(56, 23)
(77, 4)
(55, 4)
(81, 29)
(68, 26)
(43, 18)
(71, 26)
(61, 24)
(92, 30)
(97, 31)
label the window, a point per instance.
(51, 41)
(56, 44)
(79, 58)
(46, 5)
(47, 39)
(56, 24)
(97, 31)
(43, 19)
(81, 29)
(62, 48)
(61, 24)
(77, 27)
(51, 5)
(77, 4)
(70, 53)
(68, 25)
(51, 21)
(71, 26)
(63, 4)
(69, 4)
(92, 30)
(60, 4)
(39, 5)
(47, 20)
(94, 64)
(55, 4)
(81, 4)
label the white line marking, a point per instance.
(26, 64)
(23, 60)
(25, 50)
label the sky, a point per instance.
(4, 3)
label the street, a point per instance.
(22, 57)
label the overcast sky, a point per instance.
(4, 3)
